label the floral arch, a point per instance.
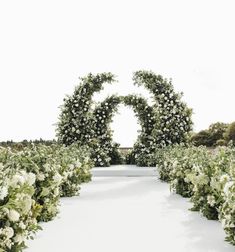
(167, 121)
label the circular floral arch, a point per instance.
(167, 121)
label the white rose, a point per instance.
(22, 225)
(40, 177)
(31, 178)
(17, 179)
(13, 215)
(8, 232)
(211, 200)
(57, 178)
(78, 164)
(3, 192)
(19, 238)
(227, 186)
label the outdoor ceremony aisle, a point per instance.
(128, 212)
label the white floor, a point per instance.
(128, 214)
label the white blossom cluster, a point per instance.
(18, 209)
(75, 121)
(31, 182)
(173, 117)
(208, 178)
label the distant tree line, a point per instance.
(218, 134)
(26, 143)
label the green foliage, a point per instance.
(230, 133)
(221, 142)
(207, 177)
(31, 182)
(212, 136)
(202, 138)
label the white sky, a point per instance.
(46, 45)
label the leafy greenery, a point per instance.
(207, 177)
(211, 137)
(31, 182)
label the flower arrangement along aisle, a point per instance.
(31, 182)
(167, 122)
(207, 177)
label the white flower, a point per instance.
(31, 178)
(13, 215)
(17, 179)
(22, 225)
(8, 232)
(211, 200)
(19, 238)
(224, 178)
(227, 186)
(3, 192)
(40, 177)
(78, 164)
(57, 178)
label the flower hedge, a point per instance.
(207, 177)
(31, 183)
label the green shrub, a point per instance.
(221, 142)
(210, 136)
(230, 133)
(207, 177)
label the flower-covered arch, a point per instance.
(167, 121)
(75, 118)
(106, 150)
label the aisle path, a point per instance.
(128, 214)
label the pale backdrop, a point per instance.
(46, 45)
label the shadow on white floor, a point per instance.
(125, 214)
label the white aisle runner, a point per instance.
(128, 214)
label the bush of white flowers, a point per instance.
(227, 209)
(39, 160)
(18, 210)
(74, 166)
(31, 182)
(205, 176)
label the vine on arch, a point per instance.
(167, 122)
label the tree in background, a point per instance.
(213, 136)
(229, 135)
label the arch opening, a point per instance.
(125, 127)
